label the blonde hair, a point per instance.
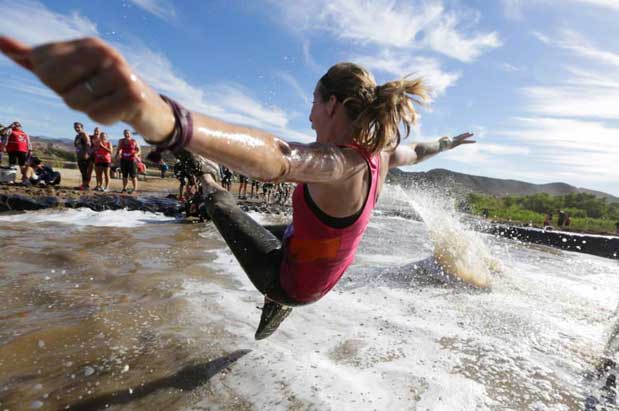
(376, 111)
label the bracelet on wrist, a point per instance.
(181, 133)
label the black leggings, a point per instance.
(258, 249)
(82, 164)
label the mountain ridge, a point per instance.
(463, 184)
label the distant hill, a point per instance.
(462, 184)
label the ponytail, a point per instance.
(376, 111)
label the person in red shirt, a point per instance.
(128, 152)
(103, 160)
(19, 148)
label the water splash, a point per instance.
(457, 249)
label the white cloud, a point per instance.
(160, 8)
(608, 4)
(387, 23)
(309, 59)
(31, 22)
(292, 82)
(583, 150)
(589, 91)
(573, 101)
(573, 41)
(400, 64)
(509, 68)
(22, 85)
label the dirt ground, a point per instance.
(71, 178)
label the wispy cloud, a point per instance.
(576, 43)
(294, 84)
(309, 59)
(584, 150)
(590, 90)
(509, 68)
(607, 4)
(399, 64)
(27, 86)
(421, 25)
(31, 22)
(160, 8)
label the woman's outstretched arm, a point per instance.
(415, 153)
(95, 79)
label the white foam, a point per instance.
(88, 217)
(522, 345)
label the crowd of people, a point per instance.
(96, 156)
(95, 152)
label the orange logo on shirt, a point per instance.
(304, 251)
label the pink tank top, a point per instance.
(317, 255)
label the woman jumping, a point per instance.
(340, 176)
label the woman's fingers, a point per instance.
(462, 139)
(16, 51)
(102, 84)
(61, 66)
(118, 106)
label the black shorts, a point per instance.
(103, 165)
(128, 168)
(242, 179)
(17, 157)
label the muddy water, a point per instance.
(89, 317)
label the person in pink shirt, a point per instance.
(358, 125)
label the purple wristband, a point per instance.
(183, 128)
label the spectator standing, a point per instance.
(182, 176)
(255, 186)
(226, 177)
(4, 136)
(82, 151)
(163, 167)
(94, 143)
(103, 161)
(18, 148)
(242, 187)
(128, 151)
(560, 218)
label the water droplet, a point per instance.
(41, 343)
(125, 368)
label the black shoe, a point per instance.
(272, 316)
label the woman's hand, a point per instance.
(447, 143)
(95, 79)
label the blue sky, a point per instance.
(536, 80)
